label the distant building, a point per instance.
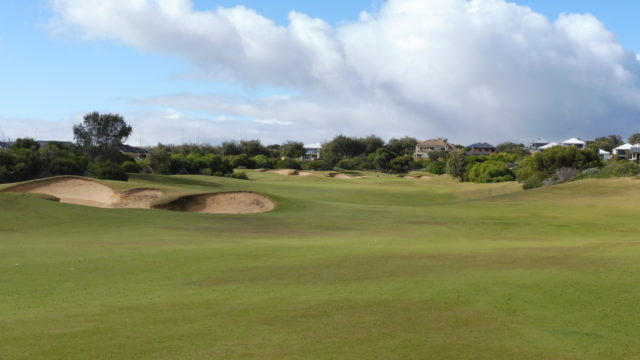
(312, 152)
(605, 155)
(574, 142)
(624, 151)
(481, 149)
(425, 147)
(4, 145)
(548, 146)
(635, 154)
(537, 144)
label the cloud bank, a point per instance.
(469, 70)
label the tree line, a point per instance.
(99, 139)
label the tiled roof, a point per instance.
(435, 143)
(482, 146)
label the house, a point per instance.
(537, 144)
(4, 145)
(481, 149)
(548, 146)
(425, 147)
(624, 151)
(605, 155)
(312, 152)
(635, 154)
(128, 149)
(574, 142)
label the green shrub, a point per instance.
(401, 164)
(239, 176)
(108, 171)
(349, 164)
(316, 165)
(619, 169)
(490, 172)
(263, 162)
(67, 166)
(436, 167)
(131, 167)
(241, 161)
(288, 164)
(533, 182)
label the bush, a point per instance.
(620, 169)
(533, 182)
(239, 176)
(241, 162)
(349, 164)
(67, 166)
(565, 174)
(490, 172)
(108, 171)
(131, 167)
(288, 164)
(263, 162)
(437, 167)
(401, 164)
(316, 165)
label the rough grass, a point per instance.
(377, 268)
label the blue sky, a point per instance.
(51, 77)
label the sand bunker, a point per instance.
(286, 172)
(415, 177)
(345, 176)
(71, 190)
(221, 203)
(138, 198)
(88, 192)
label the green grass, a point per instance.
(377, 268)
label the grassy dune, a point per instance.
(377, 268)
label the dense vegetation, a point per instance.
(97, 152)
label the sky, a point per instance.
(209, 71)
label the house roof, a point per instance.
(604, 152)
(482, 146)
(574, 141)
(435, 143)
(132, 149)
(635, 149)
(548, 146)
(313, 146)
(626, 147)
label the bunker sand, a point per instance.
(88, 192)
(222, 203)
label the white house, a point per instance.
(548, 146)
(635, 153)
(537, 144)
(312, 152)
(605, 155)
(575, 142)
(624, 151)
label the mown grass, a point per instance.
(377, 268)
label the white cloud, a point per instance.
(468, 70)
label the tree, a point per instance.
(382, 158)
(403, 146)
(512, 148)
(456, 165)
(292, 150)
(372, 143)
(634, 139)
(607, 143)
(490, 172)
(252, 148)
(102, 135)
(231, 148)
